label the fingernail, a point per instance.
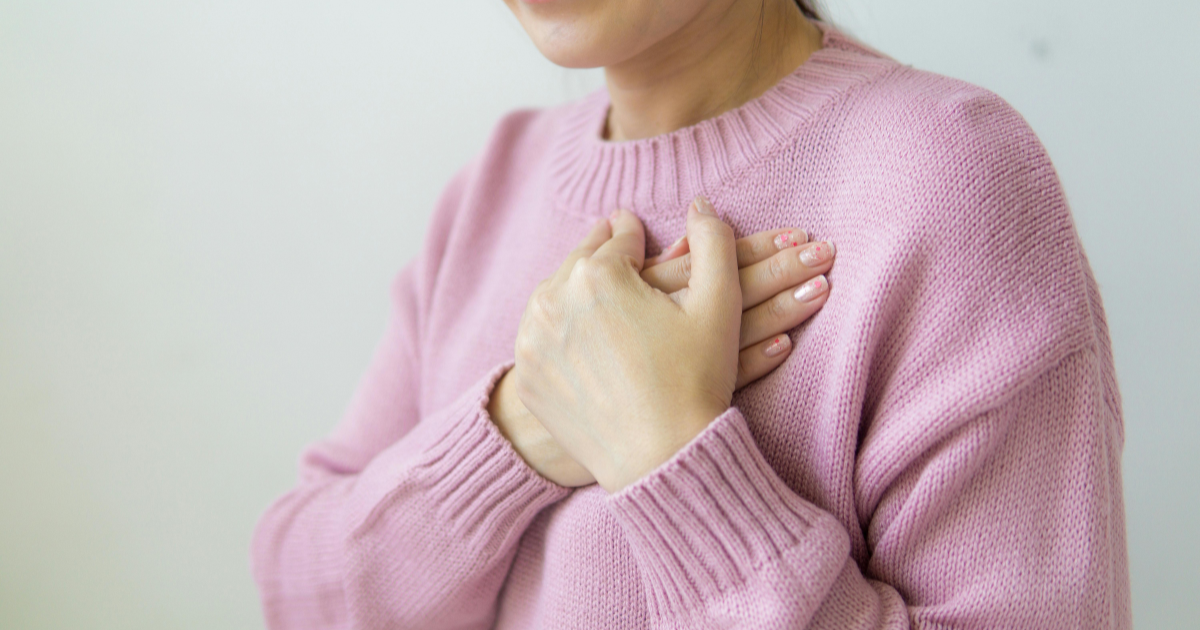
(790, 238)
(812, 289)
(778, 347)
(704, 207)
(817, 253)
(676, 243)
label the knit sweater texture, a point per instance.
(940, 450)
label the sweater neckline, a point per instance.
(661, 174)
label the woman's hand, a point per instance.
(783, 284)
(767, 261)
(530, 439)
(619, 373)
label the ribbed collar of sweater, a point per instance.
(662, 173)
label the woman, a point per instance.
(557, 432)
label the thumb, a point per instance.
(714, 285)
(628, 239)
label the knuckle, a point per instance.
(592, 279)
(778, 307)
(714, 228)
(752, 249)
(724, 230)
(685, 268)
(779, 268)
(586, 277)
(542, 304)
(590, 270)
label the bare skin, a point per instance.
(672, 64)
(770, 270)
(667, 66)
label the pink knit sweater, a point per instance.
(941, 450)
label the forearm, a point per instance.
(1012, 519)
(422, 537)
(530, 439)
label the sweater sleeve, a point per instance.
(986, 439)
(422, 537)
(401, 518)
(1013, 521)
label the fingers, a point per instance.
(759, 359)
(759, 281)
(761, 246)
(628, 238)
(784, 311)
(788, 268)
(600, 233)
(669, 276)
(714, 271)
(669, 271)
(673, 251)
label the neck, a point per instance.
(724, 57)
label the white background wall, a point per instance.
(202, 203)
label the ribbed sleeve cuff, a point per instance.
(455, 483)
(474, 478)
(717, 534)
(436, 520)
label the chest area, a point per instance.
(485, 279)
(574, 563)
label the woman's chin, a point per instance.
(573, 56)
(575, 48)
(586, 33)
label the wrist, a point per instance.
(508, 413)
(530, 439)
(658, 449)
